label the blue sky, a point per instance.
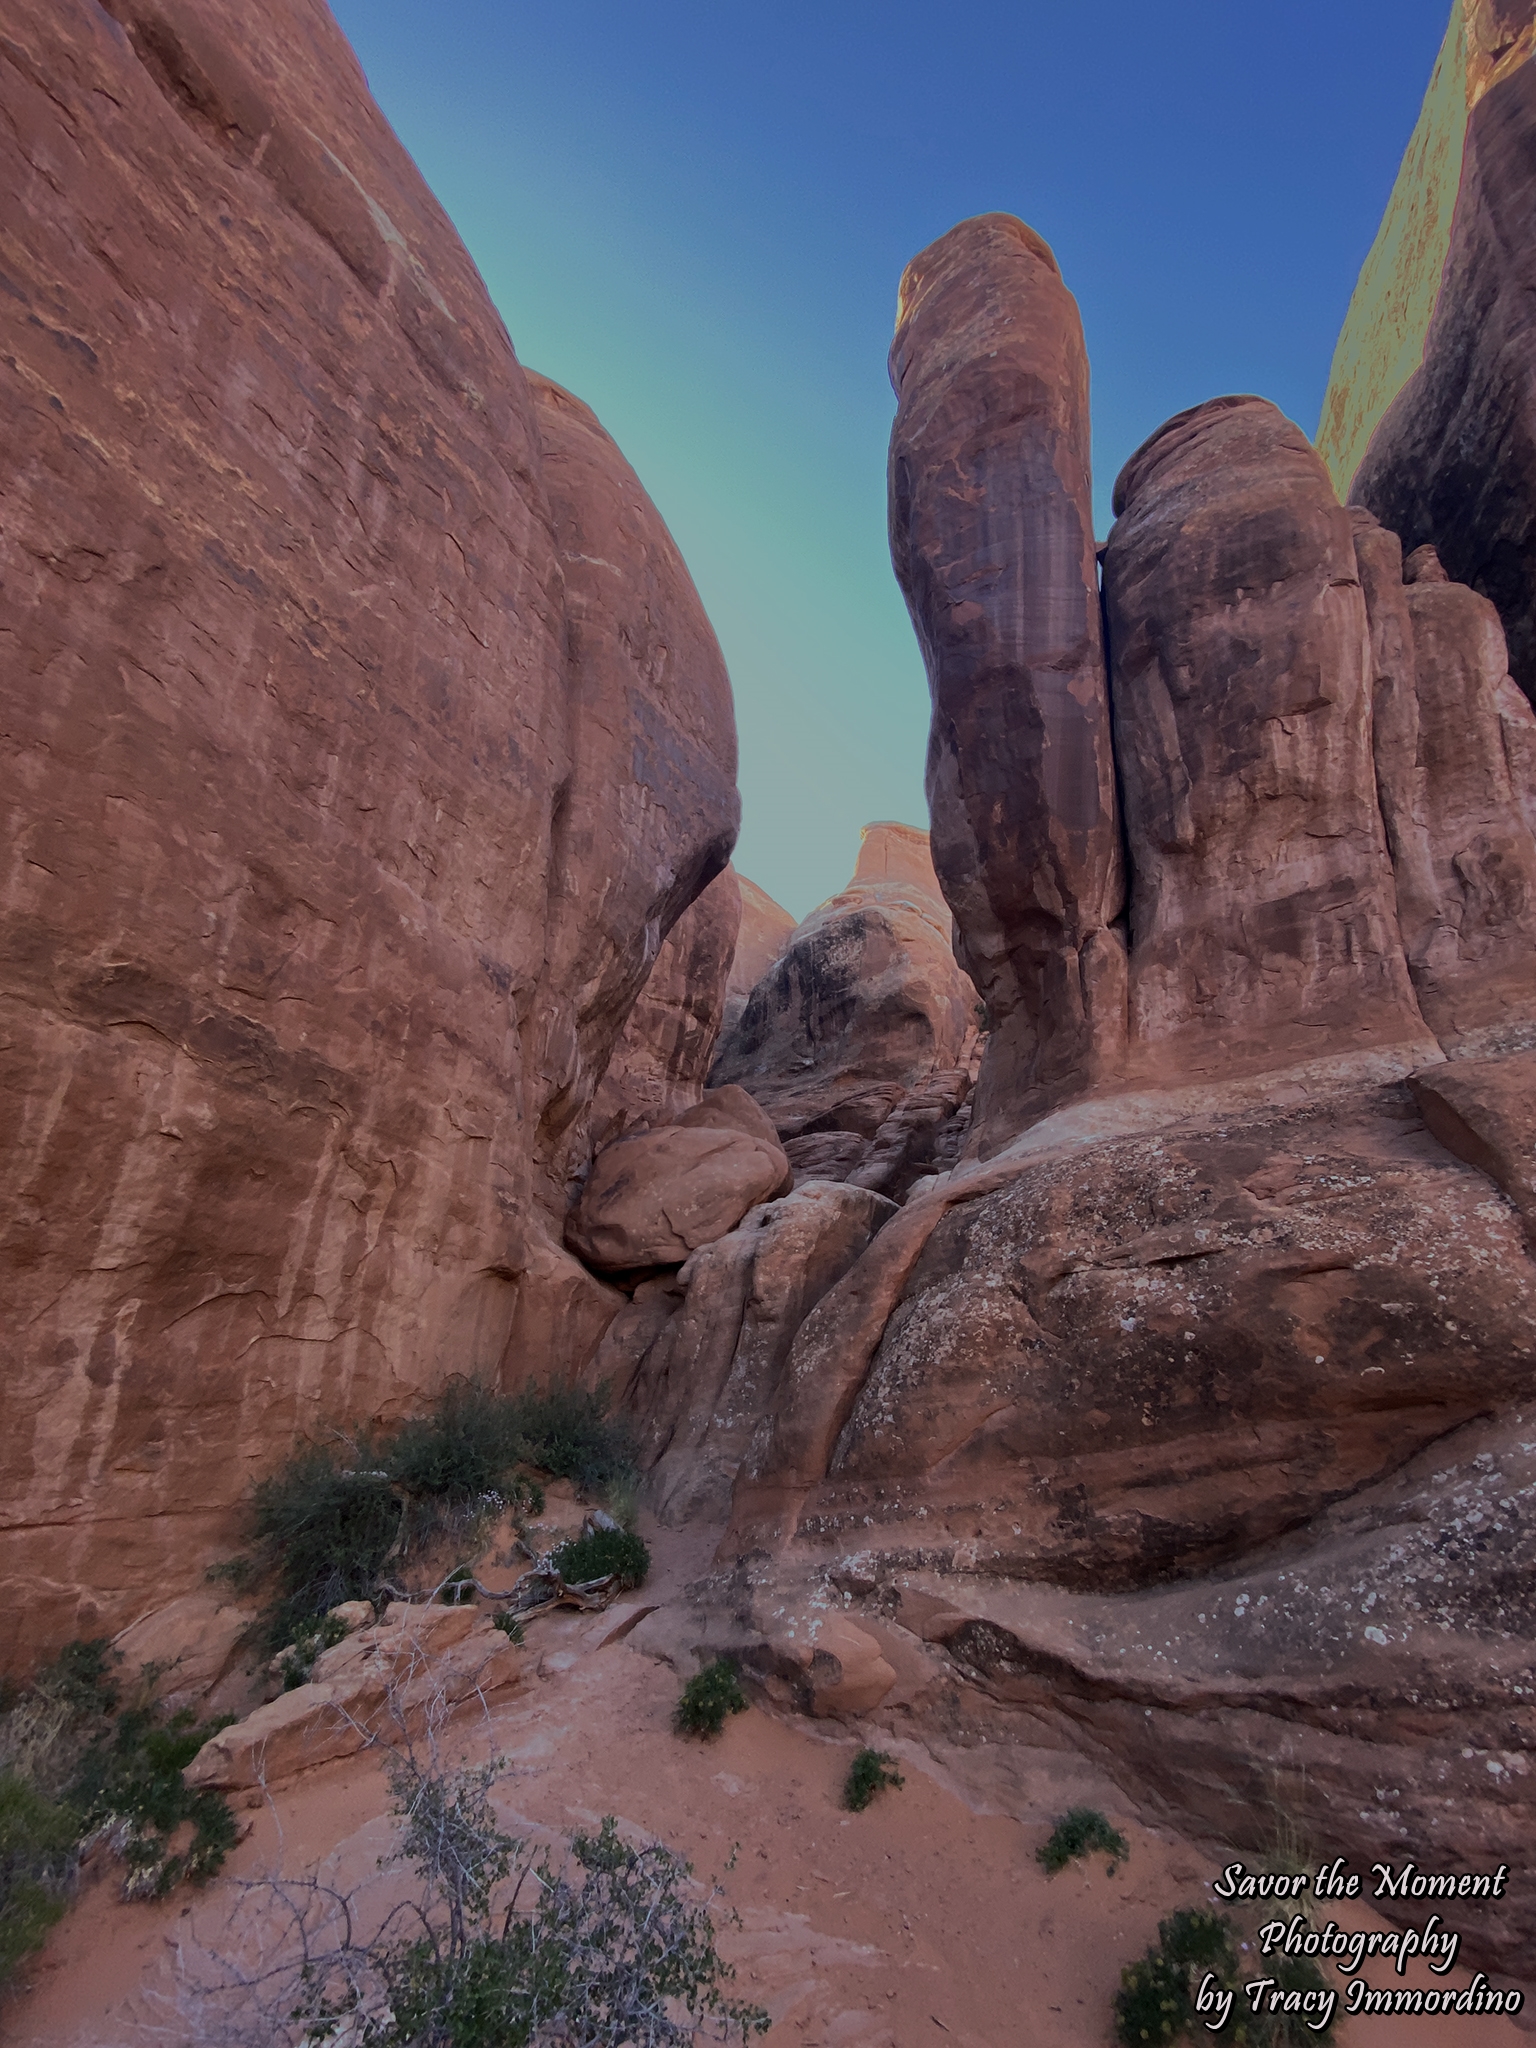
(696, 215)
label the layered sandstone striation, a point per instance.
(992, 542)
(353, 797)
(1262, 901)
(864, 1003)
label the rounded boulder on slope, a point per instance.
(653, 1198)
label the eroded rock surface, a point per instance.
(379, 1684)
(705, 1365)
(349, 806)
(1262, 904)
(647, 814)
(656, 1196)
(992, 542)
(865, 1002)
(765, 931)
(659, 1066)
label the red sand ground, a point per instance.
(923, 1920)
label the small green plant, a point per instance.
(708, 1697)
(600, 1552)
(298, 1659)
(130, 1786)
(1082, 1832)
(870, 1772)
(458, 1589)
(510, 1626)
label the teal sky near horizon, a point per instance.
(696, 218)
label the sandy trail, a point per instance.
(924, 1920)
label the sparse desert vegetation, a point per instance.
(709, 1698)
(82, 1762)
(872, 1771)
(1082, 1832)
(351, 1519)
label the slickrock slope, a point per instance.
(864, 1003)
(992, 542)
(765, 932)
(314, 908)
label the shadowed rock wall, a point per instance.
(309, 921)
(1451, 460)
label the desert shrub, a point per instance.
(1082, 1832)
(1155, 2004)
(321, 1532)
(490, 1950)
(597, 1552)
(510, 1626)
(38, 1846)
(466, 1447)
(870, 1772)
(323, 1528)
(298, 1659)
(77, 1760)
(130, 1785)
(568, 1432)
(708, 1697)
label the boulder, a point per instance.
(991, 529)
(653, 1198)
(380, 1684)
(840, 1667)
(865, 1001)
(1262, 898)
(658, 1068)
(765, 931)
(367, 739)
(1485, 1112)
(194, 1642)
(825, 1155)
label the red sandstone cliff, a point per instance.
(347, 810)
